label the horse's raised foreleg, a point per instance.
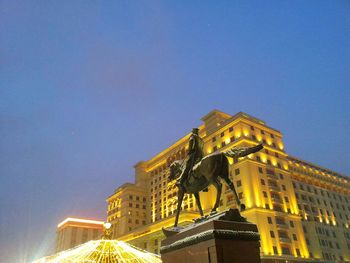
(198, 201)
(180, 196)
(218, 187)
(232, 187)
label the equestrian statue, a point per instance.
(197, 172)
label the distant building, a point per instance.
(75, 231)
(302, 210)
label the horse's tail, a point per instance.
(242, 151)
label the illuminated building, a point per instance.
(267, 182)
(323, 200)
(75, 231)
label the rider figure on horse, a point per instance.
(194, 155)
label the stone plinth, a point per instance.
(213, 241)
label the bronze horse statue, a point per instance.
(208, 172)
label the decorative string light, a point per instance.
(106, 251)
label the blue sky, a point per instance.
(89, 89)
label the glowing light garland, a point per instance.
(106, 251)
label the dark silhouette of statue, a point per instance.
(194, 155)
(196, 172)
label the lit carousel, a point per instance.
(102, 251)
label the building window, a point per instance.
(213, 139)
(239, 183)
(222, 134)
(264, 194)
(232, 139)
(229, 198)
(230, 129)
(260, 170)
(240, 195)
(298, 252)
(237, 171)
(285, 251)
(262, 182)
(252, 128)
(275, 250)
(223, 144)
(294, 237)
(272, 234)
(258, 158)
(291, 223)
(269, 220)
(215, 148)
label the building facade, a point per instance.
(292, 225)
(75, 231)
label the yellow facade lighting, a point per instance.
(79, 220)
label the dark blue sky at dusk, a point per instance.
(89, 89)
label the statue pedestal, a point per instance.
(213, 241)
